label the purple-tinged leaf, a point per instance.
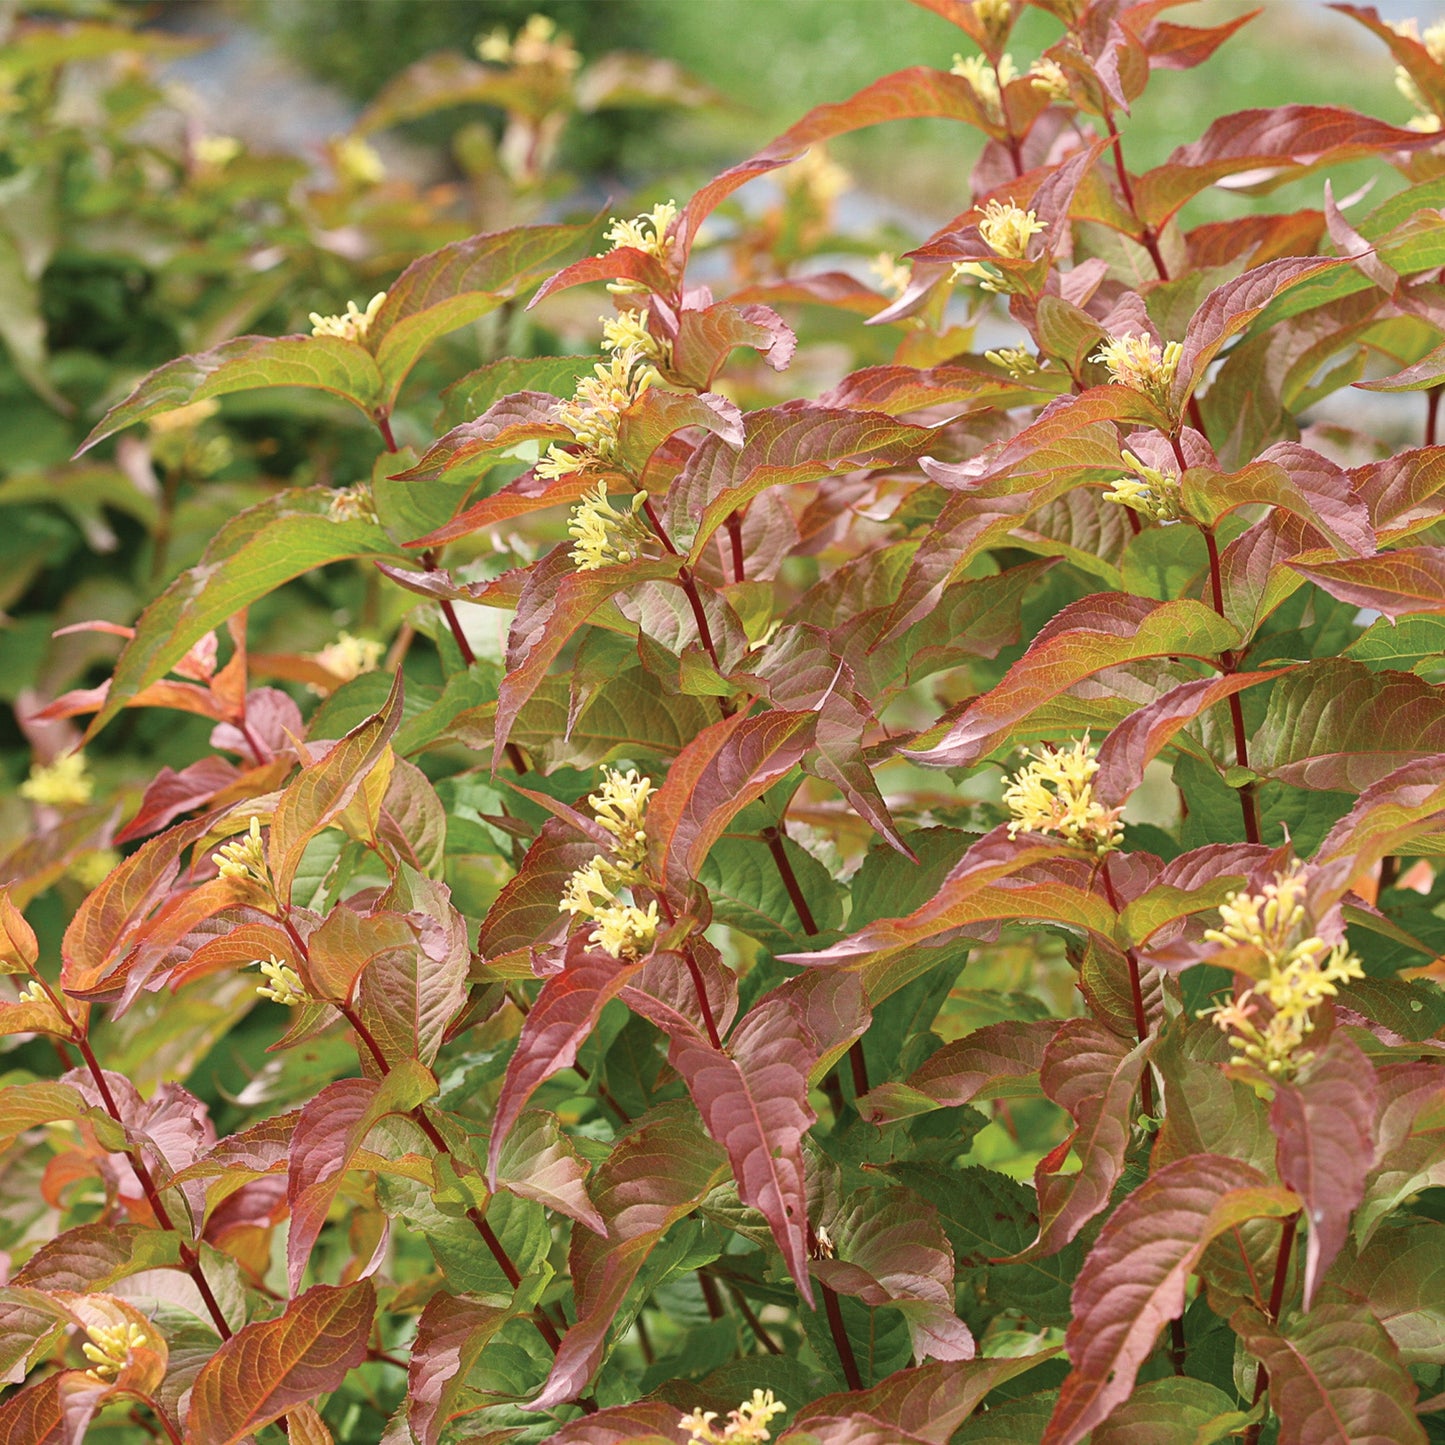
(92, 1257)
(526, 911)
(1402, 491)
(332, 1127)
(1411, 1141)
(653, 1177)
(714, 777)
(1388, 814)
(1402, 1274)
(1182, 47)
(928, 1403)
(1325, 1122)
(899, 390)
(1091, 1073)
(645, 1421)
(1133, 1280)
(327, 363)
(657, 414)
(523, 416)
(1282, 142)
(1334, 1377)
(558, 1024)
(1424, 374)
(706, 338)
(995, 1062)
(345, 943)
(272, 1365)
(450, 1336)
(520, 498)
(891, 1250)
(1409, 580)
(538, 1161)
(1335, 724)
(622, 263)
(1143, 735)
(1083, 639)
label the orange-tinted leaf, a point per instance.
(538, 1162)
(521, 416)
(273, 1365)
(1408, 580)
(706, 338)
(450, 1335)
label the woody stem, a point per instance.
(686, 582)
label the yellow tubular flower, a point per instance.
(1018, 362)
(647, 232)
(1048, 76)
(283, 984)
(747, 1425)
(986, 80)
(1300, 972)
(894, 276)
(996, 16)
(624, 930)
(621, 806)
(1137, 362)
(604, 536)
(628, 332)
(108, 1348)
(1054, 793)
(348, 657)
(64, 782)
(353, 325)
(1153, 493)
(1006, 229)
(244, 857)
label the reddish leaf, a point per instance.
(898, 390)
(1182, 47)
(1283, 141)
(1334, 1378)
(1424, 374)
(1336, 724)
(332, 1127)
(1083, 639)
(34, 1416)
(622, 263)
(345, 944)
(95, 1256)
(521, 417)
(450, 1336)
(1408, 580)
(653, 1177)
(1134, 1278)
(1325, 1122)
(714, 777)
(706, 338)
(1423, 68)
(891, 1250)
(529, 493)
(1094, 1075)
(558, 1024)
(19, 948)
(658, 413)
(327, 363)
(171, 793)
(643, 1420)
(538, 1161)
(273, 1365)
(996, 1061)
(1408, 802)
(1411, 1134)
(526, 911)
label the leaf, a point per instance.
(1400, 1273)
(707, 337)
(251, 556)
(799, 441)
(1083, 639)
(996, 1061)
(1177, 1411)
(518, 417)
(753, 1095)
(19, 948)
(1093, 1075)
(458, 284)
(557, 1025)
(1335, 724)
(527, 911)
(1134, 1278)
(1285, 141)
(272, 1365)
(1334, 1378)
(34, 1416)
(654, 1176)
(450, 1335)
(1387, 816)
(332, 1128)
(890, 1250)
(643, 1422)
(321, 791)
(1411, 1135)
(326, 363)
(1407, 580)
(471, 395)
(1325, 1122)
(538, 1161)
(95, 1256)
(713, 778)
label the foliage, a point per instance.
(696, 1001)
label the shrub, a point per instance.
(683, 986)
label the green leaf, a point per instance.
(1172, 1412)
(747, 892)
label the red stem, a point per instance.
(1136, 993)
(1276, 1300)
(383, 425)
(701, 990)
(735, 538)
(841, 1342)
(1432, 414)
(686, 582)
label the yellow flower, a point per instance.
(1048, 76)
(352, 504)
(536, 44)
(647, 232)
(357, 162)
(817, 178)
(1137, 362)
(627, 332)
(352, 326)
(109, 1347)
(346, 658)
(894, 276)
(986, 80)
(1020, 363)
(996, 15)
(624, 930)
(216, 152)
(1153, 493)
(1299, 972)
(1006, 229)
(283, 984)
(596, 407)
(1054, 793)
(747, 1425)
(243, 858)
(621, 807)
(604, 536)
(63, 782)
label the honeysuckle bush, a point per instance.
(903, 913)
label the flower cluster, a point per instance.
(894, 276)
(346, 658)
(747, 1425)
(1054, 793)
(1006, 229)
(987, 80)
(1018, 361)
(357, 162)
(1048, 76)
(996, 17)
(109, 1346)
(58, 784)
(647, 233)
(352, 504)
(1138, 363)
(622, 929)
(1433, 40)
(536, 44)
(628, 333)
(283, 984)
(594, 412)
(604, 536)
(352, 326)
(1298, 972)
(1151, 492)
(244, 858)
